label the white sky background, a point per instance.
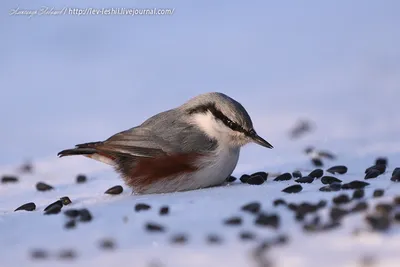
(67, 80)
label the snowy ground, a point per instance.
(195, 214)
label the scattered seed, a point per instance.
(330, 180)
(84, 215)
(336, 214)
(81, 178)
(384, 208)
(233, 221)
(8, 179)
(72, 213)
(115, 190)
(53, 208)
(331, 225)
(65, 201)
(381, 161)
(70, 224)
(396, 172)
(56, 203)
(264, 175)
(267, 220)
(245, 235)
(179, 239)
(321, 204)
(253, 207)
(213, 239)
(292, 206)
(317, 162)
(317, 173)
(355, 185)
(40, 186)
(373, 173)
(39, 254)
(154, 227)
(340, 169)
(305, 179)
(283, 177)
(141, 206)
(67, 254)
(164, 210)
(333, 187)
(378, 222)
(341, 199)
(378, 192)
(299, 216)
(397, 217)
(230, 179)
(306, 208)
(396, 200)
(255, 180)
(381, 168)
(395, 178)
(28, 207)
(293, 189)
(297, 174)
(359, 193)
(360, 206)
(107, 244)
(244, 178)
(278, 202)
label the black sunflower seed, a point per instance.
(378, 223)
(67, 254)
(53, 208)
(305, 208)
(141, 206)
(246, 235)
(253, 207)
(115, 190)
(381, 168)
(154, 227)
(9, 179)
(331, 225)
(40, 186)
(299, 216)
(297, 174)
(72, 213)
(359, 193)
(304, 179)
(321, 204)
(278, 202)
(381, 161)
(378, 193)
(81, 178)
(39, 254)
(28, 207)
(70, 224)
(264, 175)
(384, 208)
(213, 239)
(65, 201)
(179, 239)
(230, 179)
(107, 244)
(396, 217)
(396, 172)
(255, 180)
(330, 180)
(283, 177)
(336, 214)
(333, 187)
(85, 215)
(341, 199)
(395, 178)
(164, 210)
(396, 200)
(244, 178)
(360, 206)
(293, 189)
(340, 169)
(271, 220)
(233, 221)
(292, 206)
(355, 185)
(317, 162)
(317, 173)
(373, 173)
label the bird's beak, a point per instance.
(260, 141)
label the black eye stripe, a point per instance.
(220, 116)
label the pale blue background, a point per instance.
(68, 79)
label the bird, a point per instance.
(195, 145)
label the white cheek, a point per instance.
(213, 128)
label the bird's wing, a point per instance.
(163, 134)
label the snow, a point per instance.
(194, 213)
